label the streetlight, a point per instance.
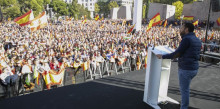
(207, 25)
(181, 17)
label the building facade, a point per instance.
(124, 2)
(166, 11)
(89, 4)
(68, 1)
(200, 10)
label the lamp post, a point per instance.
(181, 17)
(207, 26)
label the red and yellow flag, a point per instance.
(39, 22)
(161, 22)
(218, 21)
(212, 35)
(154, 21)
(187, 18)
(102, 26)
(85, 65)
(102, 18)
(165, 23)
(124, 22)
(84, 21)
(97, 17)
(131, 29)
(25, 19)
(196, 22)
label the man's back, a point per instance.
(188, 60)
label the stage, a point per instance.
(124, 91)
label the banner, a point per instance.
(39, 22)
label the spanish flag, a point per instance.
(218, 21)
(154, 21)
(25, 19)
(161, 22)
(131, 29)
(145, 62)
(187, 18)
(165, 23)
(84, 21)
(124, 22)
(102, 18)
(212, 35)
(196, 23)
(102, 26)
(85, 65)
(39, 22)
(97, 17)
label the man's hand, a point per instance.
(159, 56)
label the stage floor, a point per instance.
(124, 91)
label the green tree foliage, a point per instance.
(97, 8)
(74, 9)
(60, 7)
(103, 6)
(144, 11)
(179, 8)
(36, 6)
(83, 11)
(112, 4)
(10, 8)
(13, 11)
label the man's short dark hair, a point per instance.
(190, 26)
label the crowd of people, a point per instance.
(79, 45)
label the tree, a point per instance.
(36, 6)
(83, 11)
(60, 7)
(74, 9)
(144, 11)
(97, 9)
(112, 4)
(13, 11)
(10, 8)
(103, 6)
(147, 3)
(179, 8)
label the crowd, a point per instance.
(50, 50)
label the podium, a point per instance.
(157, 77)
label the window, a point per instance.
(90, 4)
(86, 0)
(70, 1)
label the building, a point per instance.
(89, 4)
(124, 2)
(200, 10)
(68, 1)
(166, 11)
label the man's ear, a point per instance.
(186, 30)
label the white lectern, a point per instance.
(157, 77)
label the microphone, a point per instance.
(153, 47)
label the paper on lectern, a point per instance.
(162, 50)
